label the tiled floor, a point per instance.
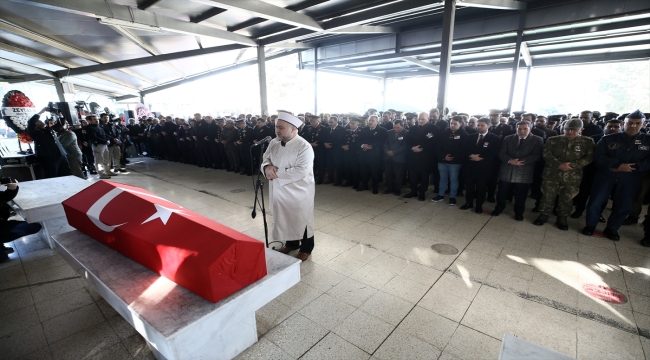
(373, 287)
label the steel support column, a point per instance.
(523, 102)
(315, 81)
(59, 89)
(445, 51)
(517, 58)
(384, 94)
(141, 98)
(261, 74)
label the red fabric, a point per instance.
(197, 253)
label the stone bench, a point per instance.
(176, 323)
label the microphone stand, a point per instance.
(259, 186)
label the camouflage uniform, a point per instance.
(564, 184)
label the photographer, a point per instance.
(11, 230)
(48, 149)
(88, 159)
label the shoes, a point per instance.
(398, 193)
(438, 198)
(360, 188)
(346, 185)
(466, 206)
(286, 250)
(577, 214)
(541, 220)
(536, 209)
(478, 209)
(495, 213)
(631, 220)
(490, 199)
(104, 177)
(452, 201)
(123, 170)
(337, 184)
(302, 256)
(388, 191)
(421, 198)
(327, 182)
(645, 242)
(110, 173)
(375, 192)
(602, 219)
(9, 250)
(93, 172)
(588, 230)
(519, 217)
(410, 195)
(561, 223)
(611, 234)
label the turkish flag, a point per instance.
(195, 252)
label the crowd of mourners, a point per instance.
(569, 165)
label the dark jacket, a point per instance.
(488, 149)
(96, 135)
(336, 137)
(502, 130)
(375, 138)
(316, 134)
(113, 132)
(262, 132)
(45, 140)
(530, 152)
(5, 209)
(451, 143)
(592, 129)
(426, 137)
(616, 149)
(396, 142)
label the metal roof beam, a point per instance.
(148, 60)
(364, 29)
(144, 5)
(50, 60)
(125, 97)
(363, 74)
(193, 78)
(532, 35)
(290, 45)
(258, 20)
(24, 68)
(32, 35)
(494, 4)
(24, 78)
(104, 10)
(206, 15)
(421, 63)
(267, 11)
(525, 53)
(590, 47)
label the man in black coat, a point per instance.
(589, 128)
(421, 155)
(334, 138)
(395, 151)
(483, 148)
(48, 149)
(315, 135)
(372, 140)
(351, 151)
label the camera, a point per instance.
(53, 108)
(6, 180)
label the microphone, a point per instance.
(263, 141)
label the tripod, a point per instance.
(258, 186)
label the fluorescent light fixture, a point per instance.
(129, 24)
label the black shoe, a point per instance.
(495, 213)
(645, 242)
(611, 234)
(9, 250)
(577, 214)
(561, 223)
(410, 195)
(361, 188)
(490, 199)
(602, 219)
(337, 184)
(588, 230)
(519, 217)
(421, 198)
(631, 220)
(466, 206)
(355, 187)
(452, 201)
(541, 220)
(536, 209)
(478, 209)
(375, 192)
(346, 185)
(397, 193)
(388, 191)
(437, 198)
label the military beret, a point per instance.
(636, 115)
(573, 124)
(313, 117)
(495, 111)
(238, 121)
(354, 118)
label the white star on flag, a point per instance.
(163, 213)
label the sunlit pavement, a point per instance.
(373, 286)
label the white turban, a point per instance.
(290, 119)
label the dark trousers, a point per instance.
(536, 186)
(223, 157)
(245, 153)
(370, 169)
(88, 158)
(352, 167)
(11, 230)
(476, 187)
(306, 245)
(520, 193)
(419, 173)
(54, 166)
(580, 200)
(233, 157)
(623, 197)
(217, 163)
(334, 166)
(394, 175)
(494, 178)
(320, 164)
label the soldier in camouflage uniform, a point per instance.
(565, 156)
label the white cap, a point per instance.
(290, 119)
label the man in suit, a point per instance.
(334, 139)
(372, 140)
(518, 155)
(500, 130)
(483, 148)
(421, 141)
(395, 151)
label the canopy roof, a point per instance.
(126, 48)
